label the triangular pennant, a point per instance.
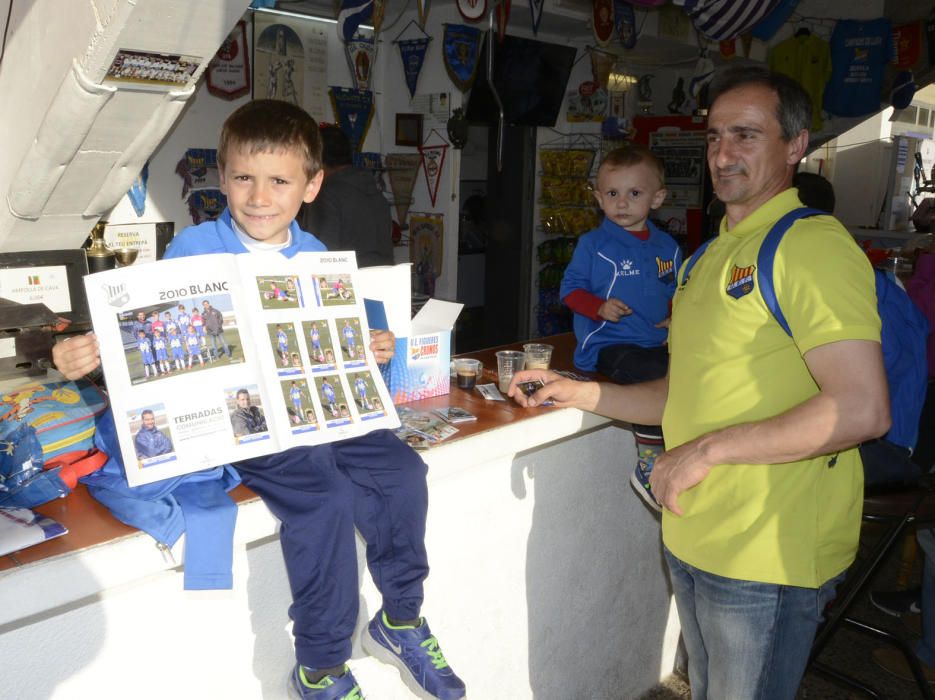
(379, 9)
(433, 160)
(137, 192)
(423, 7)
(461, 49)
(503, 17)
(535, 9)
(601, 64)
(426, 251)
(351, 14)
(353, 110)
(402, 168)
(412, 52)
(602, 21)
(360, 53)
(625, 24)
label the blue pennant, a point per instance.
(353, 109)
(412, 52)
(461, 50)
(352, 14)
(137, 191)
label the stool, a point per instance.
(900, 507)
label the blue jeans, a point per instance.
(925, 649)
(745, 640)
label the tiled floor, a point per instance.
(849, 651)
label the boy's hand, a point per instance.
(76, 356)
(382, 345)
(613, 310)
(664, 323)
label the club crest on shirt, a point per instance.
(741, 281)
(666, 270)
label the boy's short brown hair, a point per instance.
(262, 126)
(634, 154)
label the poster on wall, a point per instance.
(683, 154)
(290, 62)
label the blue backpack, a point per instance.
(903, 336)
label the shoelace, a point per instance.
(432, 649)
(355, 694)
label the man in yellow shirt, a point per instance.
(761, 483)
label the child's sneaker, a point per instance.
(639, 480)
(415, 652)
(328, 688)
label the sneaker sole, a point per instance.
(643, 493)
(381, 653)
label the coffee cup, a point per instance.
(538, 355)
(467, 371)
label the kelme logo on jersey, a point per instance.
(741, 281)
(666, 270)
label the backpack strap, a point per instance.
(767, 255)
(694, 259)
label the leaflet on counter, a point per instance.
(217, 358)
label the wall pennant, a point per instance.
(353, 110)
(379, 11)
(351, 14)
(426, 250)
(423, 7)
(625, 24)
(433, 161)
(412, 53)
(402, 168)
(461, 49)
(229, 70)
(535, 9)
(360, 52)
(602, 21)
(503, 17)
(472, 10)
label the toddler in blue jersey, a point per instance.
(177, 348)
(620, 283)
(193, 343)
(162, 351)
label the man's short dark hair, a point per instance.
(146, 411)
(264, 126)
(793, 106)
(243, 392)
(335, 146)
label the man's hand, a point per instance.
(613, 310)
(559, 390)
(76, 356)
(677, 470)
(382, 345)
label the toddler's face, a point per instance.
(626, 194)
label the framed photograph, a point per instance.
(409, 130)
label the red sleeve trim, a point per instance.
(584, 303)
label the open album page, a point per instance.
(216, 358)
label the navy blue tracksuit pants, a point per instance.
(374, 482)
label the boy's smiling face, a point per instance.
(265, 190)
(626, 194)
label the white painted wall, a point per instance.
(542, 559)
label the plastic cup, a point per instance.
(538, 355)
(467, 371)
(509, 362)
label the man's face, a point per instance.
(141, 317)
(206, 305)
(149, 421)
(749, 160)
(243, 400)
(265, 190)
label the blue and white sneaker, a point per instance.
(414, 651)
(639, 480)
(328, 688)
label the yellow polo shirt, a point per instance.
(795, 523)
